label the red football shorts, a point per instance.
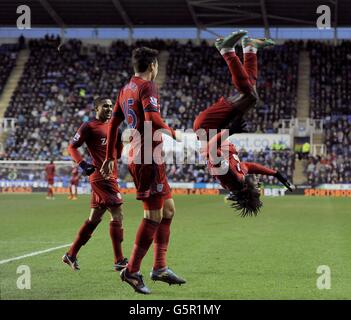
(50, 181)
(74, 182)
(216, 116)
(105, 194)
(151, 184)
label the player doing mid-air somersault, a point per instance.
(222, 157)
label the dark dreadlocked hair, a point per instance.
(247, 200)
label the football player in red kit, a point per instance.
(50, 176)
(73, 188)
(138, 104)
(105, 194)
(223, 161)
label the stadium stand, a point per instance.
(197, 76)
(279, 160)
(56, 91)
(8, 54)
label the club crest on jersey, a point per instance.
(132, 119)
(153, 101)
(159, 187)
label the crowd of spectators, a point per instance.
(336, 166)
(55, 95)
(197, 76)
(279, 160)
(330, 79)
(328, 169)
(8, 56)
(330, 96)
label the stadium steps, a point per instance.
(13, 80)
(299, 174)
(318, 138)
(303, 86)
(162, 68)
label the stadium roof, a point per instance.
(174, 13)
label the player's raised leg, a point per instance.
(82, 237)
(221, 113)
(160, 271)
(250, 47)
(116, 234)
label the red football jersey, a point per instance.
(94, 135)
(50, 170)
(234, 170)
(138, 102)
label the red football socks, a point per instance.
(161, 240)
(142, 243)
(250, 64)
(116, 234)
(240, 78)
(84, 234)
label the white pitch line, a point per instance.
(34, 253)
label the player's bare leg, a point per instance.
(70, 196)
(161, 272)
(74, 192)
(116, 234)
(50, 193)
(83, 236)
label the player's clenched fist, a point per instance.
(107, 168)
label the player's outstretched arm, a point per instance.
(256, 168)
(157, 124)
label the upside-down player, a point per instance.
(138, 103)
(73, 188)
(223, 161)
(105, 194)
(50, 176)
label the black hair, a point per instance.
(246, 200)
(98, 100)
(142, 57)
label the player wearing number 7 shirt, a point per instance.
(105, 194)
(138, 104)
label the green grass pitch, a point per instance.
(221, 255)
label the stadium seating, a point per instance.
(279, 160)
(330, 95)
(56, 91)
(330, 80)
(197, 76)
(8, 54)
